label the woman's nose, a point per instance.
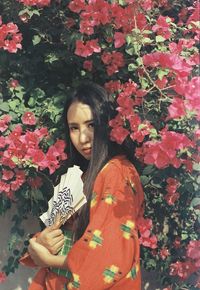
(84, 136)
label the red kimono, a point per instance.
(107, 256)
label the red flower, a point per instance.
(162, 27)
(5, 119)
(2, 142)
(35, 182)
(193, 252)
(10, 38)
(119, 38)
(13, 83)
(69, 22)
(37, 156)
(114, 60)
(182, 269)
(119, 134)
(164, 253)
(7, 174)
(39, 3)
(176, 109)
(88, 48)
(167, 60)
(161, 83)
(28, 118)
(2, 277)
(86, 28)
(76, 5)
(113, 86)
(172, 198)
(88, 64)
(177, 242)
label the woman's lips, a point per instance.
(87, 151)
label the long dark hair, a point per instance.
(103, 107)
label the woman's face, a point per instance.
(81, 128)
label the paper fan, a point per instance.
(68, 197)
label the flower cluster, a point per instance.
(182, 269)
(88, 48)
(113, 61)
(193, 252)
(128, 97)
(2, 277)
(10, 37)
(146, 239)
(167, 151)
(39, 3)
(172, 195)
(23, 149)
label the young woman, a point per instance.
(103, 248)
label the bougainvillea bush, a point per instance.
(146, 54)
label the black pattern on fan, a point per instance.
(62, 206)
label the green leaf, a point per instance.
(13, 104)
(147, 40)
(159, 38)
(37, 194)
(132, 67)
(129, 39)
(4, 107)
(184, 235)
(50, 58)
(161, 73)
(144, 179)
(31, 102)
(153, 133)
(36, 39)
(195, 202)
(148, 170)
(38, 93)
(196, 166)
(144, 83)
(130, 51)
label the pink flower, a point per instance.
(182, 269)
(193, 252)
(13, 83)
(164, 253)
(70, 22)
(77, 5)
(88, 48)
(5, 119)
(35, 182)
(28, 118)
(168, 60)
(119, 134)
(7, 174)
(119, 38)
(39, 3)
(176, 109)
(10, 38)
(162, 27)
(2, 277)
(87, 65)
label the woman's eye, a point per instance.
(91, 125)
(73, 128)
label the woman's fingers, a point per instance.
(49, 237)
(57, 247)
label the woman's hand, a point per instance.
(42, 256)
(52, 238)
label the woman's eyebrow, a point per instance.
(86, 122)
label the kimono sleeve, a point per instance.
(108, 251)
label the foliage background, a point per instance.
(146, 54)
